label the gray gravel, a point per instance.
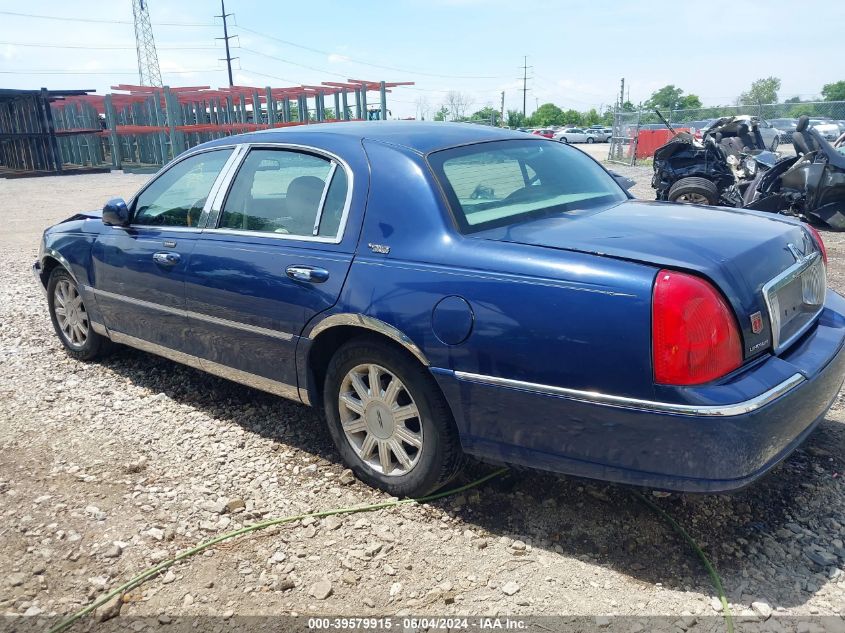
(110, 467)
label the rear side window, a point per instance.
(286, 192)
(506, 182)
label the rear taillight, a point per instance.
(695, 338)
(817, 238)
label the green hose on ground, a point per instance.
(152, 571)
(714, 576)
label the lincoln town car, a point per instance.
(441, 290)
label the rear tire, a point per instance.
(590, 139)
(563, 139)
(70, 319)
(694, 191)
(399, 437)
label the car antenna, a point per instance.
(665, 122)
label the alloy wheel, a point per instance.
(70, 314)
(380, 419)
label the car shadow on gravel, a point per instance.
(758, 538)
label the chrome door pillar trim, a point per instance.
(623, 402)
(245, 378)
(369, 323)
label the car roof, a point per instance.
(419, 136)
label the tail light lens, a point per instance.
(817, 238)
(695, 338)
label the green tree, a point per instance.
(572, 117)
(547, 114)
(487, 113)
(672, 98)
(793, 100)
(441, 114)
(834, 91)
(591, 118)
(516, 119)
(761, 91)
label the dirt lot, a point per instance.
(109, 467)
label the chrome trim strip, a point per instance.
(622, 402)
(323, 197)
(99, 328)
(369, 323)
(285, 336)
(771, 287)
(214, 218)
(236, 375)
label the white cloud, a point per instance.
(336, 58)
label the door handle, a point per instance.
(166, 259)
(307, 273)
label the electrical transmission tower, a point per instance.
(149, 73)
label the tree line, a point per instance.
(458, 106)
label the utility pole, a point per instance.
(525, 68)
(502, 111)
(622, 94)
(226, 37)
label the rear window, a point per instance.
(506, 182)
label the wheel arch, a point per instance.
(51, 260)
(332, 332)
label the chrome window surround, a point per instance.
(225, 186)
(285, 336)
(622, 402)
(212, 193)
(770, 289)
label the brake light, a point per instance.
(695, 338)
(817, 238)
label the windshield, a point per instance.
(505, 182)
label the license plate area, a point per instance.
(794, 299)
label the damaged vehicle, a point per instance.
(810, 185)
(436, 291)
(714, 170)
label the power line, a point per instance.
(286, 61)
(102, 72)
(99, 21)
(363, 63)
(106, 48)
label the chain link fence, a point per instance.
(830, 115)
(623, 143)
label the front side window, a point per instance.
(506, 182)
(176, 198)
(286, 193)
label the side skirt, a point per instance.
(236, 375)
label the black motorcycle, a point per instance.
(810, 185)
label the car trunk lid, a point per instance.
(739, 251)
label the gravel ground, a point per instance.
(109, 467)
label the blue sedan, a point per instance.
(442, 290)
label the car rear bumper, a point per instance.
(723, 438)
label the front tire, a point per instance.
(590, 139)
(563, 139)
(694, 191)
(389, 420)
(70, 318)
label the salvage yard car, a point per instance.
(441, 290)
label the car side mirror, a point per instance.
(116, 213)
(623, 181)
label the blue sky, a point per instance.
(578, 50)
